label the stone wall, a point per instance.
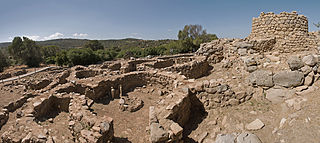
(289, 29)
(161, 63)
(121, 84)
(195, 69)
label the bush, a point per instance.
(155, 51)
(62, 59)
(50, 60)
(105, 55)
(131, 52)
(83, 56)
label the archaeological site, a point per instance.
(260, 89)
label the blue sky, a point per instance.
(147, 19)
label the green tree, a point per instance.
(3, 61)
(191, 31)
(15, 49)
(25, 51)
(191, 36)
(94, 45)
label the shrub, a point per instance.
(61, 58)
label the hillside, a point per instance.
(122, 43)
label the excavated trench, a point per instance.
(197, 115)
(51, 107)
(128, 124)
(189, 115)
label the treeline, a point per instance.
(26, 51)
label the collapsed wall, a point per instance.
(289, 29)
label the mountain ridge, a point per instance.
(67, 43)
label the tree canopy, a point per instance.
(191, 36)
(3, 61)
(25, 51)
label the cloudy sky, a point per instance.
(146, 19)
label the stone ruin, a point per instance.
(179, 93)
(289, 30)
(73, 91)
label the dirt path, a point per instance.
(25, 75)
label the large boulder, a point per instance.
(310, 60)
(248, 138)
(225, 138)
(251, 64)
(242, 52)
(277, 95)
(261, 78)
(306, 70)
(288, 78)
(255, 125)
(294, 63)
(309, 79)
(250, 61)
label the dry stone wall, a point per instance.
(289, 29)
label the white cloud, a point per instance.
(169, 30)
(56, 35)
(79, 35)
(34, 37)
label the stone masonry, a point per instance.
(289, 29)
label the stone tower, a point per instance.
(289, 29)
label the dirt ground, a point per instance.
(129, 126)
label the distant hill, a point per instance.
(121, 43)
